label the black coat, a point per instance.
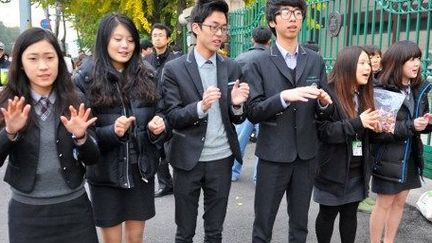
(24, 157)
(114, 167)
(336, 133)
(393, 152)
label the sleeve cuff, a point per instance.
(283, 102)
(201, 113)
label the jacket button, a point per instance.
(60, 155)
(203, 139)
(64, 168)
(295, 109)
(125, 184)
(195, 123)
(124, 158)
(57, 141)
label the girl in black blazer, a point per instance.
(45, 135)
(343, 130)
(124, 98)
(399, 155)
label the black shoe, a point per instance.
(163, 192)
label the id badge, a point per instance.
(357, 148)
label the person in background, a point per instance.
(146, 48)
(312, 45)
(398, 163)
(4, 61)
(162, 53)
(124, 97)
(286, 94)
(45, 132)
(261, 39)
(342, 179)
(201, 109)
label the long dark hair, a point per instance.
(19, 84)
(136, 81)
(394, 59)
(343, 77)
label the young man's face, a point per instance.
(287, 22)
(212, 32)
(159, 38)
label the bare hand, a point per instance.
(78, 122)
(239, 92)
(369, 119)
(420, 123)
(211, 95)
(15, 115)
(300, 94)
(156, 125)
(324, 98)
(122, 124)
(428, 116)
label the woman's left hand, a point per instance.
(78, 122)
(156, 125)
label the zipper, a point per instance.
(124, 111)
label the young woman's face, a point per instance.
(120, 47)
(375, 62)
(410, 69)
(40, 63)
(363, 69)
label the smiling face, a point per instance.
(287, 23)
(120, 47)
(363, 69)
(40, 63)
(410, 70)
(376, 62)
(207, 41)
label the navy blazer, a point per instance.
(285, 133)
(182, 90)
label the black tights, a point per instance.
(347, 222)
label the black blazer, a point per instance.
(183, 89)
(285, 134)
(24, 157)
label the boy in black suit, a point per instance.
(285, 86)
(200, 108)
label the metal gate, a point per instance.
(334, 24)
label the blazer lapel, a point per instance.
(280, 63)
(222, 77)
(301, 63)
(192, 68)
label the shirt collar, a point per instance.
(284, 52)
(201, 60)
(51, 97)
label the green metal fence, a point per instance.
(334, 24)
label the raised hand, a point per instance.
(122, 124)
(239, 92)
(211, 95)
(15, 115)
(369, 119)
(300, 94)
(156, 125)
(79, 120)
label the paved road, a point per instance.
(238, 224)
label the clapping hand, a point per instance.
(211, 95)
(122, 124)
(156, 125)
(79, 121)
(239, 92)
(15, 115)
(369, 119)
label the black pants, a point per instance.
(163, 173)
(214, 178)
(347, 222)
(273, 180)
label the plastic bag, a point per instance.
(424, 205)
(388, 104)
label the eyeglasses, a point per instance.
(286, 13)
(214, 29)
(158, 35)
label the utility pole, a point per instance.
(25, 15)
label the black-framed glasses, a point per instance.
(214, 29)
(286, 13)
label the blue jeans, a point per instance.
(244, 131)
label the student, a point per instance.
(399, 155)
(124, 98)
(44, 133)
(342, 179)
(201, 108)
(284, 101)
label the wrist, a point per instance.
(79, 137)
(8, 132)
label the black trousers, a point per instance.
(214, 178)
(163, 174)
(273, 180)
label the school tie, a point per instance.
(45, 111)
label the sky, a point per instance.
(9, 15)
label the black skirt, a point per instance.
(67, 222)
(112, 206)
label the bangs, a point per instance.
(409, 50)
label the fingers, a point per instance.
(91, 121)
